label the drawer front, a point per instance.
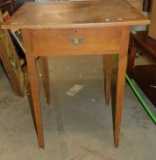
(76, 41)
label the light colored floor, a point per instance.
(76, 127)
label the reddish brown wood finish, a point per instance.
(77, 28)
(144, 75)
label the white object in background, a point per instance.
(75, 89)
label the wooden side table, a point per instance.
(76, 28)
(144, 75)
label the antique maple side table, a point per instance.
(76, 28)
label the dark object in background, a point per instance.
(19, 50)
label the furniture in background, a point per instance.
(76, 28)
(8, 5)
(144, 75)
(10, 61)
(147, 5)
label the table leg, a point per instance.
(119, 96)
(122, 64)
(45, 77)
(132, 55)
(33, 85)
(108, 77)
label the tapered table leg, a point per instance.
(119, 96)
(108, 78)
(45, 77)
(33, 86)
(122, 64)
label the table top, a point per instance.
(63, 14)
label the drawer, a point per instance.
(76, 41)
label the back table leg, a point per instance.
(108, 77)
(45, 77)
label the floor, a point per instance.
(77, 124)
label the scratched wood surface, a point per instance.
(38, 15)
(74, 27)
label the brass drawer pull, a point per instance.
(76, 41)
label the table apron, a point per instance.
(76, 41)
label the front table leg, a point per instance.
(122, 64)
(33, 85)
(119, 96)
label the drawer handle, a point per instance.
(76, 41)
